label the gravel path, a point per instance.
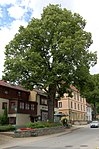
(5, 139)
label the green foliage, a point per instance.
(97, 108)
(91, 92)
(4, 117)
(42, 124)
(50, 51)
(7, 128)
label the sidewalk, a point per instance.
(7, 139)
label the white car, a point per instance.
(94, 124)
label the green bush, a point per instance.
(42, 124)
(7, 128)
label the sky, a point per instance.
(14, 13)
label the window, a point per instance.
(71, 104)
(12, 120)
(82, 99)
(60, 104)
(4, 105)
(81, 107)
(78, 106)
(84, 108)
(74, 95)
(75, 105)
(12, 105)
(27, 107)
(6, 92)
(21, 105)
(43, 101)
(32, 107)
(78, 96)
(19, 93)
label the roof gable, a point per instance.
(12, 86)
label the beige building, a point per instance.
(73, 107)
(89, 112)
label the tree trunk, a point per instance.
(51, 98)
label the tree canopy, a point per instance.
(91, 92)
(50, 51)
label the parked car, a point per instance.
(94, 124)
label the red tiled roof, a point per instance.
(8, 85)
(88, 105)
(40, 92)
(74, 88)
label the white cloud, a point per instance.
(3, 41)
(4, 2)
(16, 12)
(15, 26)
(27, 3)
(7, 35)
(1, 12)
(89, 10)
(38, 5)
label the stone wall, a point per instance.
(38, 132)
(80, 122)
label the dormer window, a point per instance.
(6, 92)
(19, 93)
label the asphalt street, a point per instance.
(83, 138)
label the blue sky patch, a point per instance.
(7, 20)
(27, 15)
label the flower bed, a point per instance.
(25, 132)
(26, 129)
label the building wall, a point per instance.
(1, 101)
(89, 113)
(40, 105)
(32, 96)
(22, 119)
(20, 106)
(9, 93)
(20, 109)
(42, 108)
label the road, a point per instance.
(83, 138)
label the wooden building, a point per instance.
(16, 100)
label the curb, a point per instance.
(67, 130)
